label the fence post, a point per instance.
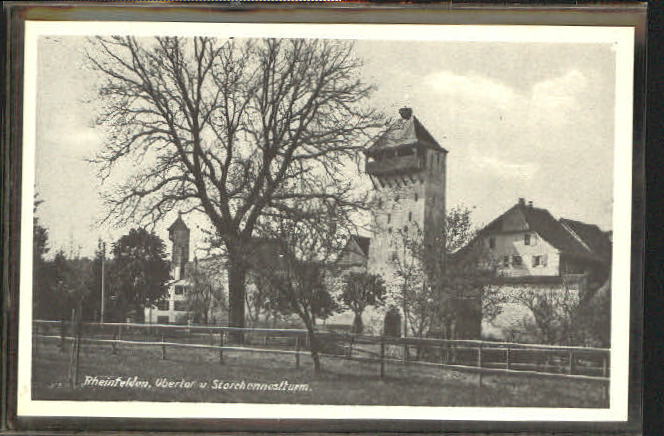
(479, 365)
(382, 357)
(62, 335)
(604, 367)
(605, 386)
(297, 351)
(571, 362)
(507, 357)
(36, 339)
(79, 328)
(72, 354)
(163, 348)
(115, 338)
(221, 345)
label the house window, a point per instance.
(396, 198)
(389, 218)
(517, 261)
(180, 306)
(389, 230)
(179, 290)
(405, 229)
(537, 260)
(162, 319)
(526, 239)
(416, 197)
(506, 261)
(410, 216)
(492, 242)
(163, 305)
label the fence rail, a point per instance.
(480, 357)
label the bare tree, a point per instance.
(296, 274)
(241, 131)
(552, 313)
(205, 294)
(446, 279)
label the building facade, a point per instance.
(536, 257)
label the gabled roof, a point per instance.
(405, 131)
(594, 238)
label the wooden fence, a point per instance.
(481, 357)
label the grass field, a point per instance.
(341, 382)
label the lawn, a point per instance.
(248, 377)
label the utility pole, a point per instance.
(103, 259)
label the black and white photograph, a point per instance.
(283, 221)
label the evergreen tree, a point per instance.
(139, 273)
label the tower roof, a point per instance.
(406, 131)
(177, 224)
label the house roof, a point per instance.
(594, 238)
(405, 131)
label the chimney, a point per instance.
(406, 113)
(530, 204)
(522, 201)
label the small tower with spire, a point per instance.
(178, 233)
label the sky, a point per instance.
(532, 120)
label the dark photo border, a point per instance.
(617, 14)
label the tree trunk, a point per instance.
(358, 325)
(236, 279)
(314, 349)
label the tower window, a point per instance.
(410, 216)
(526, 239)
(396, 198)
(389, 218)
(405, 229)
(416, 196)
(492, 242)
(389, 230)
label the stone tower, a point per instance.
(178, 233)
(407, 167)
